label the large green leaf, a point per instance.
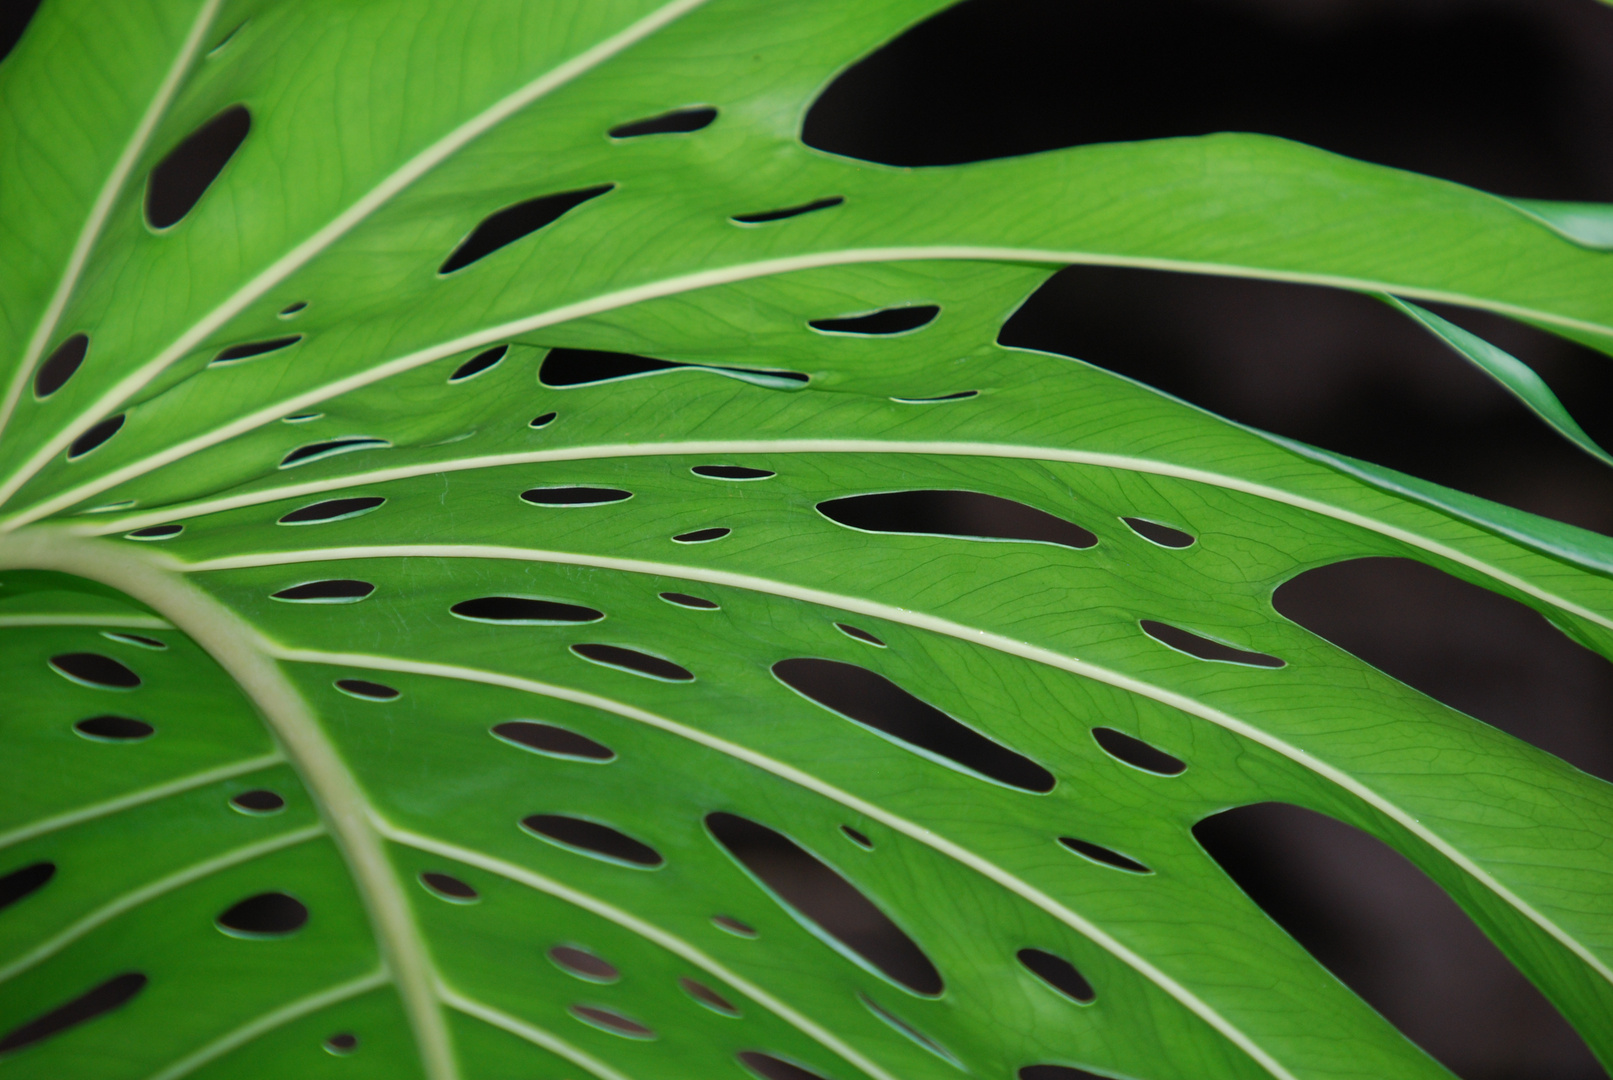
(380, 137)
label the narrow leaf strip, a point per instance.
(1515, 377)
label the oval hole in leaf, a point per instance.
(61, 365)
(136, 640)
(883, 323)
(676, 122)
(332, 510)
(574, 496)
(1155, 533)
(479, 363)
(543, 420)
(1203, 648)
(873, 701)
(708, 997)
(967, 515)
(266, 915)
(366, 690)
(765, 216)
(857, 838)
(594, 839)
(732, 472)
(1138, 754)
(825, 902)
(524, 611)
(180, 179)
(908, 1030)
(583, 964)
(582, 367)
(612, 1021)
(510, 224)
(859, 635)
(20, 883)
(639, 663)
(733, 926)
(155, 532)
(1100, 854)
(1058, 973)
(114, 729)
(341, 1044)
(702, 536)
(111, 994)
(95, 436)
(553, 740)
(259, 802)
(329, 448)
(685, 600)
(769, 1067)
(1391, 934)
(334, 591)
(251, 350)
(449, 888)
(94, 669)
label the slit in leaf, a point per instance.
(266, 915)
(1058, 1072)
(676, 122)
(156, 532)
(512, 223)
(251, 350)
(685, 600)
(114, 729)
(883, 323)
(1058, 973)
(702, 536)
(583, 367)
(61, 365)
(639, 663)
(732, 472)
(365, 690)
(332, 510)
(25, 881)
(1137, 754)
(95, 436)
(765, 216)
(292, 309)
(541, 420)
(612, 1021)
(966, 515)
(1203, 648)
(334, 591)
(583, 964)
(825, 902)
(908, 1030)
(1099, 854)
(136, 640)
(959, 396)
(524, 611)
(594, 839)
(859, 635)
(94, 669)
(180, 179)
(259, 802)
(449, 888)
(708, 997)
(552, 740)
(341, 1044)
(870, 699)
(857, 838)
(320, 450)
(1155, 533)
(733, 926)
(482, 361)
(574, 496)
(768, 1067)
(115, 992)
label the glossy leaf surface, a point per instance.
(454, 590)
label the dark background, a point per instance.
(1513, 96)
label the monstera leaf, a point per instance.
(516, 566)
